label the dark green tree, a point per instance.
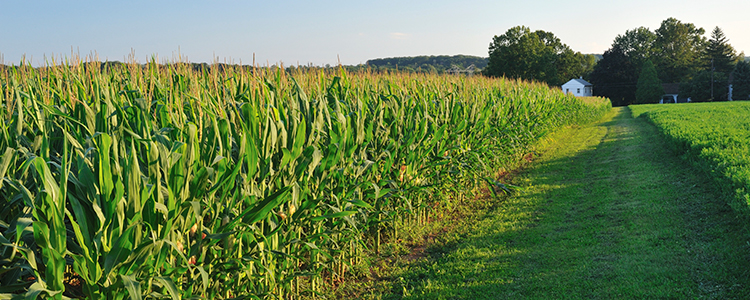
(741, 81)
(719, 54)
(615, 77)
(575, 64)
(588, 62)
(519, 53)
(699, 89)
(649, 89)
(637, 45)
(677, 50)
(539, 55)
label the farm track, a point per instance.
(607, 212)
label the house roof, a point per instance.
(580, 81)
(584, 82)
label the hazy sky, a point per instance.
(318, 32)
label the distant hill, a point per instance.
(438, 63)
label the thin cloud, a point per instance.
(399, 35)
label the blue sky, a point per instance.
(321, 32)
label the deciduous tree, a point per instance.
(539, 55)
(519, 53)
(575, 64)
(677, 50)
(615, 77)
(637, 45)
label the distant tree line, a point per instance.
(436, 64)
(640, 60)
(418, 64)
(101, 66)
(199, 67)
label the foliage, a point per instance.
(711, 83)
(575, 65)
(741, 81)
(678, 48)
(700, 88)
(438, 64)
(614, 77)
(163, 181)
(519, 53)
(589, 62)
(637, 45)
(649, 86)
(719, 54)
(539, 55)
(715, 135)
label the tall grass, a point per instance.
(161, 181)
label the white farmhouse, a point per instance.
(578, 87)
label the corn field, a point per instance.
(163, 181)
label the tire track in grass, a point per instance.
(607, 212)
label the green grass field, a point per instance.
(715, 137)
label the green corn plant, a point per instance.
(175, 181)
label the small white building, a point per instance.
(578, 87)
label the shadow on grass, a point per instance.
(609, 213)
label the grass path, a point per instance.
(607, 213)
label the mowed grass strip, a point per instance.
(607, 213)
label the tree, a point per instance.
(719, 54)
(637, 45)
(519, 53)
(741, 81)
(677, 50)
(588, 62)
(649, 88)
(699, 87)
(539, 55)
(575, 64)
(614, 77)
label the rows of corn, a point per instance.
(161, 181)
